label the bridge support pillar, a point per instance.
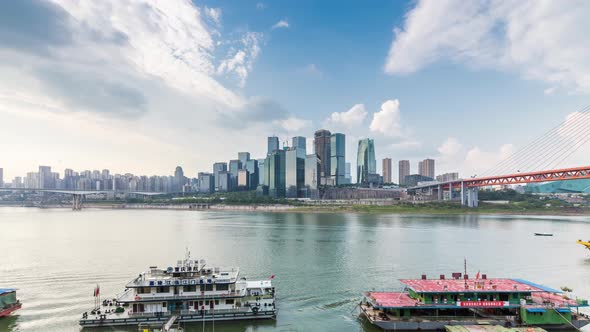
(77, 202)
(439, 193)
(463, 194)
(450, 191)
(472, 197)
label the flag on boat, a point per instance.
(272, 277)
(477, 275)
(96, 291)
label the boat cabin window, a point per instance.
(164, 304)
(206, 287)
(191, 288)
(216, 302)
(503, 296)
(229, 301)
(143, 290)
(163, 289)
(222, 286)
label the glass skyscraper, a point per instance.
(365, 161)
(272, 144)
(274, 169)
(294, 173)
(321, 144)
(312, 176)
(337, 158)
(218, 168)
(252, 168)
(234, 166)
(243, 157)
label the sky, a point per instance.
(143, 86)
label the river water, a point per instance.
(322, 262)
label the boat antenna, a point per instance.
(465, 270)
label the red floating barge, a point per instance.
(8, 301)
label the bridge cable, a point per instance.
(553, 142)
(564, 143)
(545, 142)
(519, 156)
(559, 144)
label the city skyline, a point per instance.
(240, 74)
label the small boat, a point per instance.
(584, 243)
(8, 301)
(543, 234)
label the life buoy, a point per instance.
(255, 310)
(137, 298)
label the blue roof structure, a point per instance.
(6, 290)
(535, 310)
(532, 284)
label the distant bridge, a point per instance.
(79, 195)
(469, 187)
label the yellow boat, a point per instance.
(584, 243)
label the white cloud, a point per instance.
(241, 60)
(214, 14)
(281, 24)
(387, 120)
(450, 148)
(540, 40)
(293, 124)
(355, 116)
(117, 71)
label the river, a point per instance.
(322, 262)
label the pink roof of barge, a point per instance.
(392, 299)
(478, 285)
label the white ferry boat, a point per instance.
(189, 292)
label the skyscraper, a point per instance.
(274, 168)
(243, 180)
(206, 182)
(272, 144)
(234, 166)
(45, 178)
(218, 168)
(322, 147)
(347, 175)
(252, 168)
(243, 157)
(299, 143)
(261, 172)
(387, 170)
(312, 176)
(179, 179)
(294, 173)
(337, 158)
(426, 168)
(404, 170)
(365, 161)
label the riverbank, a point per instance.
(432, 208)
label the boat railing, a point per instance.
(215, 311)
(149, 314)
(167, 296)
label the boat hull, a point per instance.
(184, 318)
(7, 311)
(440, 325)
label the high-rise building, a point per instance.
(234, 166)
(312, 176)
(387, 170)
(272, 144)
(1, 177)
(337, 158)
(404, 170)
(252, 168)
(299, 142)
(243, 180)
(45, 178)
(426, 168)
(322, 147)
(365, 161)
(260, 172)
(347, 176)
(206, 182)
(219, 167)
(274, 169)
(294, 173)
(223, 180)
(446, 177)
(179, 179)
(243, 157)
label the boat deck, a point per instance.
(480, 285)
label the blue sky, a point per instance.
(143, 86)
